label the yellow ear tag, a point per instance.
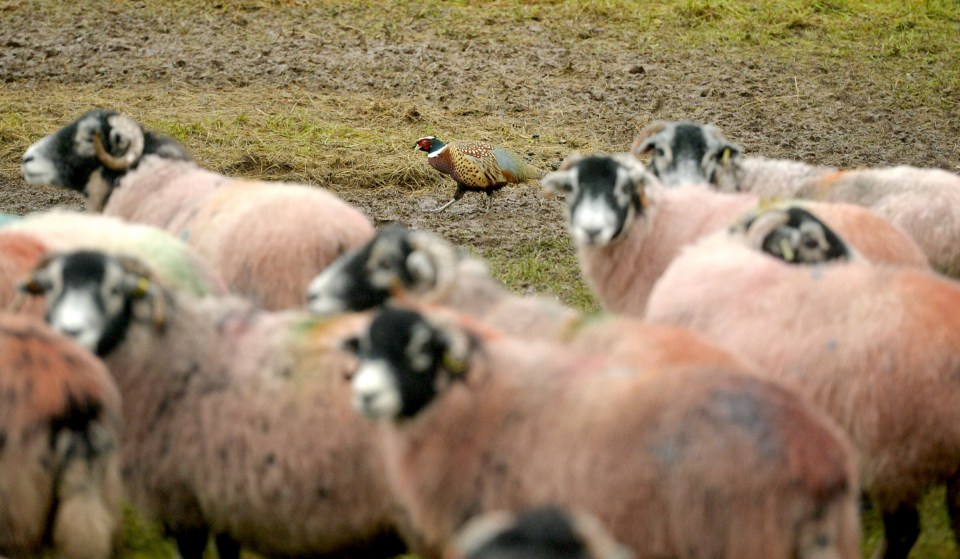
(788, 253)
(725, 157)
(455, 366)
(143, 285)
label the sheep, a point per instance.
(401, 265)
(925, 203)
(59, 428)
(173, 261)
(238, 418)
(627, 227)
(267, 240)
(472, 421)
(877, 347)
(19, 253)
(544, 532)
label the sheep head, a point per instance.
(93, 297)
(684, 152)
(792, 234)
(397, 263)
(91, 153)
(543, 531)
(405, 361)
(604, 194)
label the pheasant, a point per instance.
(476, 166)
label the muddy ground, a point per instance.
(534, 72)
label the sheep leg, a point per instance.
(191, 542)
(901, 527)
(227, 547)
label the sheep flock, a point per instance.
(261, 367)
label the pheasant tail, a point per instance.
(514, 169)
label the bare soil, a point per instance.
(609, 80)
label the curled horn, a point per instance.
(765, 224)
(126, 128)
(434, 259)
(639, 143)
(143, 286)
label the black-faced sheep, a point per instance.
(238, 419)
(267, 240)
(407, 266)
(877, 347)
(684, 462)
(627, 227)
(924, 202)
(544, 532)
(59, 429)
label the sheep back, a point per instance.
(59, 428)
(772, 178)
(174, 263)
(874, 346)
(269, 240)
(925, 203)
(654, 454)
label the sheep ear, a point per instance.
(351, 345)
(641, 180)
(456, 355)
(139, 284)
(570, 161)
(644, 141)
(557, 182)
(39, 281)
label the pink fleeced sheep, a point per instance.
(238, 419)
(175, 264)
(19, 254)
(925, 203)
(627, 227)
(267, 240)
(59, 429)
(401, 266)
(877, 347)
(684, 462)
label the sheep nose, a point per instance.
(70, 331)
(592, 234)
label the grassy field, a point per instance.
(335, 93)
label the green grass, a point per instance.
(544, 265)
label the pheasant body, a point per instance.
(476, 166)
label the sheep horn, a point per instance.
(128, 129)
(431, 251)
(765, 224)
